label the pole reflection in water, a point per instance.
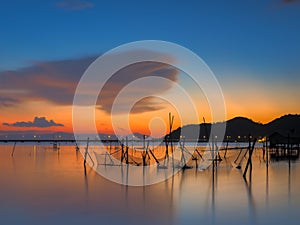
(86, 182)
(213, 190)
(267, 182)
(251, 203)
(289, 181)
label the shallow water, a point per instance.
(43, 186)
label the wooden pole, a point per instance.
(144, 151)
(13, 150)
(226, 149)
(249, 162)
(167, 148)
(289, 151)
(76, 146)
(126, 151)
(122, 151)
(171, 120)
(86, 151)
(156, 160)
(267, 153)
(205, 127)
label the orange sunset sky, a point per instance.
(246, 97)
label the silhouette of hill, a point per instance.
(288, 124)
(239, 128)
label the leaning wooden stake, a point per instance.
(76, 146)
(171, 121)
(156, 160)
(88, 154)
(167, 148)
(86, 151)
(267, 153)
(13, 151)
(226, 149)
(126, 151)
(122, 150)
(144, 154)
(249, 162)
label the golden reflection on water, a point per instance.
(42, 185)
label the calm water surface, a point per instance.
(43, 186)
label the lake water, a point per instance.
(43, 186)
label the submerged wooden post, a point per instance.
(144, 151)
(14, 148)
(76, 146)
(289, 149)
(126, 151)
(267, 153)
(213, 150)
(249, 162)
(226, 149)
(168, 138)
(86, 151)
(167, 148)
(122, 150)
(171, 121)
(154, 157)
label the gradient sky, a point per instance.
(252, 47)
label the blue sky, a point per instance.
(252, 46)
(239, 34)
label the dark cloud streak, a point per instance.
(131, 73)
(7, 101)
(56, 81)
(150, 103)
(290, 1)
(40, 122)
(75, 4)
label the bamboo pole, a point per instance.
(249, 162)
(226, 149)
(126, 151)
(86, 151)
(13, 150)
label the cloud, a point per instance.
(290, 1)
(74, 4)
(40, 122)
(7, 101)
(53, 81)
(56, 81)
(147, 104)
(132, 73)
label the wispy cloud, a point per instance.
(290, 1)
(148, 104)
(56, 81)
(7, 101)
(132, 73)
(53, 81)
(74, 4)
(40, 122)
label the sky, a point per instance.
(252, 47)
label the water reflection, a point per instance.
(40, 185)
(267, 183)
(251, 201)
